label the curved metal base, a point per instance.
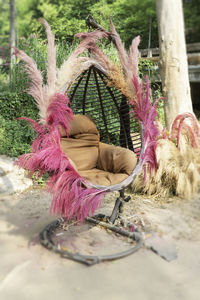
(46, 241)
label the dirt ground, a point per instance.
(29, 271)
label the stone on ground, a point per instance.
(12, 179)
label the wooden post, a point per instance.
(12, 35)
(173, 59)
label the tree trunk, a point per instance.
(12, 35)
(173, 59)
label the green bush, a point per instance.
(14, 105)
(16, 135)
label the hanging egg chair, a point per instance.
(104, 114)
(95, 133)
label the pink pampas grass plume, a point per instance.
(59, 112)
(51, 66)
(71, 198)
(120, 47)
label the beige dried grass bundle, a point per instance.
(116, 78)
(178, 161)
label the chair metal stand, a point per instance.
(118, 208)
(108, 222)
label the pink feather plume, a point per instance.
(71, 198)
(188, 122)
(147, 113)
(59, 113)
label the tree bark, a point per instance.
(12, 35)
(173, 59)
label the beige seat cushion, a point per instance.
(116, 159)
(101, 177)
(97, 162)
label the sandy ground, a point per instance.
(29, 271)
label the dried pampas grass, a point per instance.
(36, 87)
(116, 78)
(178, 172)
(123, 56)
(51, 66)
(41, 92)
(68, 72)
(178, 161)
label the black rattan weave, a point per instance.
(91, 95)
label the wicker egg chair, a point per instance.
(110, 111)
(108, 108)
(121, 120)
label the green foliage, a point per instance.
(67, 17)
(27, 15)
(192, 20)
(63, 50)
(147, 67)
(161, 112)
(15, 105)
(130, 17)
(16, 135)
(40, 181)
(4, 22)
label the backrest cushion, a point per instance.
(82, 145)
(80, 124)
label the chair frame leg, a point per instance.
(118, 208)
